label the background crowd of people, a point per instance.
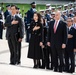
(51, 34)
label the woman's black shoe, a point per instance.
(18, 63)
(12, 63)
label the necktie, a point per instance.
(55, 26)
(68, 29)
(13, 17)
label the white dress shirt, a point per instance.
(69, 28)
(74, 25)
(57, 23)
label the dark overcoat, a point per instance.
(34, 50)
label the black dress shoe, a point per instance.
(12, 63)
(41, 67)
(47, 67)
(60, 69)
(18, 63)
(51, 68)
(55, 70)
(35, 66)
(66, 70)
(71, 71)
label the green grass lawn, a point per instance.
(26, 7)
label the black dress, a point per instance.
(34, 50)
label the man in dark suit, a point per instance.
(8, 11)
(1, 26)
(14, 35)
(45, 49)
(57, 39)
(30, 14)
(71, 45)
(26, 27)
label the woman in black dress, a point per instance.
(35, 51)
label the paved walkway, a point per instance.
(26, 64)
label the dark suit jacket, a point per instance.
(35, 51)
(14, 29)
(30, 14)
(6, 13)
(60, 37)
(47, 17)
(71, 44)
(25, 21)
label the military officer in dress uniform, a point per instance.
(30, 14)
(8, 11)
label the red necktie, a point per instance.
(55, 26)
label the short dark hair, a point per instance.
(70, 18)
(14, 6)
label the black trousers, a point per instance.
(19, 52)
(1, 31)
(27, 35)
(15, 49)
(45, 60)
(57, 54)
(69, 60)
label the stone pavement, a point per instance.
(26, 64)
